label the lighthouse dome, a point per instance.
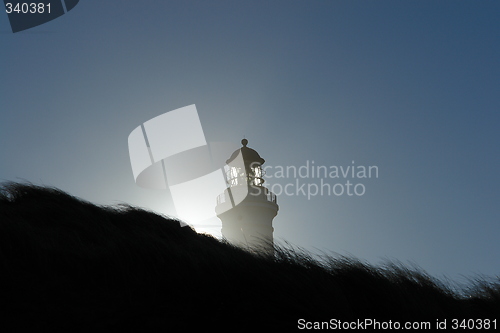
(249, 155)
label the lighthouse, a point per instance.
(247, 208)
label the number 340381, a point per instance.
(25, 8)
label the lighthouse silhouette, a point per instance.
(247, 208)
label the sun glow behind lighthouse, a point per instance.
(170, 152)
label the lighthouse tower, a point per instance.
(247, 208)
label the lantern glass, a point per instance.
(235, 176)
(256, 177)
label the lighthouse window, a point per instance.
(257, 172)
(235, 176)
(257, 175)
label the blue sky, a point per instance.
(412, 87)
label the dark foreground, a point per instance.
(67, 265)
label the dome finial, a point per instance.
(244, 142)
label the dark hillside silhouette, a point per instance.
(71, 266)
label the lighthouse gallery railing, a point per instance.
(268, 195)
